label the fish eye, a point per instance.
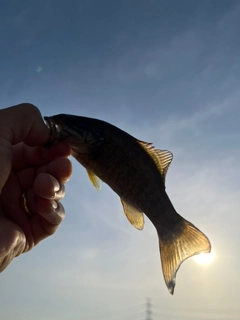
(54, 127)
(57, 127)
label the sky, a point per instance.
(167, 72)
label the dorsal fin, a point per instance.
(134, 215)
(162, 158)
(97, 182)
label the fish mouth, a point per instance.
(48, 121)
(55, 131)
(52, 125)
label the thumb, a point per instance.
(24, 122)
(21, 123)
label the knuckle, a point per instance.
(30, 108)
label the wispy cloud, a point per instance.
(172, 81)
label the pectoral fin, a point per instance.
(97, 183)
(134, 216)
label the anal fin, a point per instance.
(134, 215)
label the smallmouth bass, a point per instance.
(136, 171)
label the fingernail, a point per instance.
(56, 186)
(54, 204)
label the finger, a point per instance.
(47, 187)
(20, 123)
(12, 242)
(60, 168)
(50, 215)
(5, 160)
(24, 122)
(51, 210)
(25, 156)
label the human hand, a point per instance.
(28, 168)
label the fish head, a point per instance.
(77, 131)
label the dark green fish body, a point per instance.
(136, 172)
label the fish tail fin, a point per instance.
(176, 246)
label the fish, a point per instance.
(136, 171)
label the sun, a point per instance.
(204, 258)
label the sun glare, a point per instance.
(204, 258)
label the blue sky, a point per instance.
(167, 72)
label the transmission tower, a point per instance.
(149, 309)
